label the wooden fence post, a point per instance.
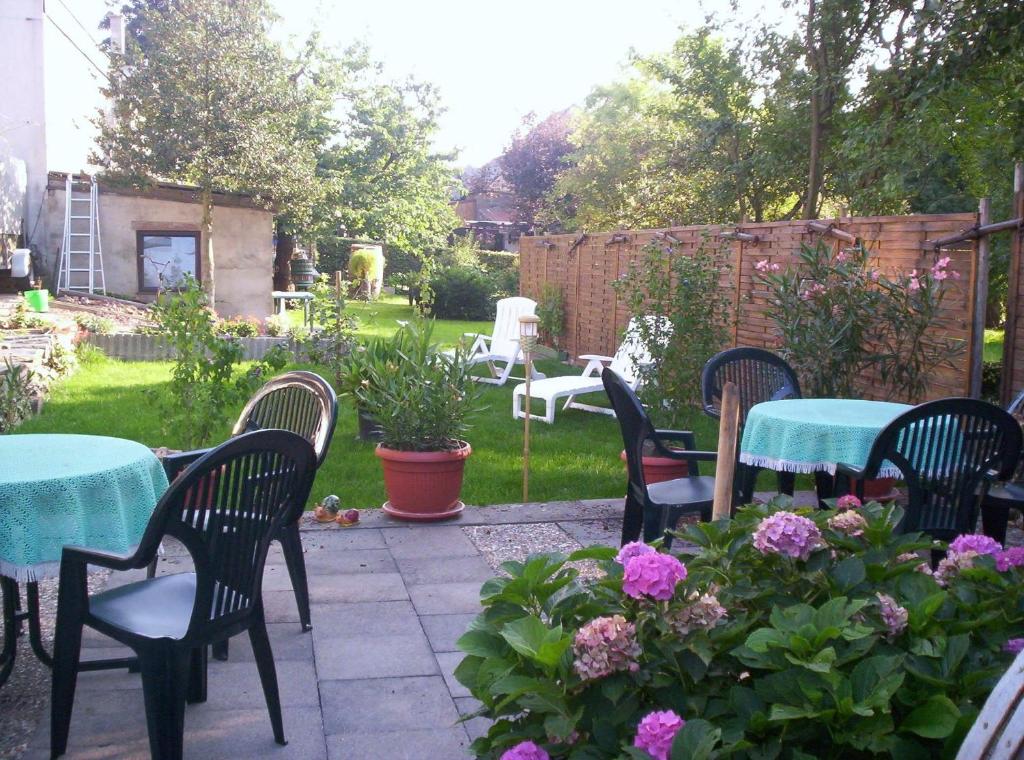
(1012, 294)
(725, 470)
(980, 302)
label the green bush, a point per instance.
(462, 293)
(239, 327)
(16, 394)
(793, 635)
(991, 378)
(551, 312)
(94, 324)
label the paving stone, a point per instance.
(441, 744)
(343, 562)
(343, 539)
(446, 598)
(233, 684)
(448, 662)
(444, 630)
(346, 657)
(280, 606)
(429, 542)
(475, 727)
(364, 619)
(602, 532)
(386, 704)
(357, 587)
(287, 641)
(444, 570)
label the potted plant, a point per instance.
(422, 398)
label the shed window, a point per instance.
(165, 258)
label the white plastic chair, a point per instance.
(630, 357)
(502, 345)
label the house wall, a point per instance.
(243, 246)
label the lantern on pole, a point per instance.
(528, 342)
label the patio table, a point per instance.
(85, 490)
(813, 435)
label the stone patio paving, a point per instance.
(374, 677)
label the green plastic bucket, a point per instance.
(38, 300)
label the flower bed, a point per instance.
(790, 634)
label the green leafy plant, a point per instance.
(206, 381)
(421, 397)
(692, 311)
(239, 327)
(20, 319)
(462, 292)
(838, 317)
(94, 324)
(333, 337)
(61, 360)
(834, 640)
(551, 312)
(16, 394)
(366, 267)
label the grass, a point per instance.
(993, 351)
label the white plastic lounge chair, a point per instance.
(502, 345)
(631, 355)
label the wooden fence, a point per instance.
(584, 267)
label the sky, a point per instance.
(493, 62)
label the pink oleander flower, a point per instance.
(812, 290)
(1012, 557)
(525, 751)
(654, 575)
(1014, 646)
(764, 265)
(702, 613)
(914, 283)
(632, 549)
(604, 646)
(849, 523)
(849, 501)
(874, 274)
(894, 616)
(974, 542)
(842, 256)
(656, 731)
(789, 534)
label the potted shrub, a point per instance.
(422, 398)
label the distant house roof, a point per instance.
(168, 191)
(487, 207)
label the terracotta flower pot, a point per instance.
(658, 469)
(877, 489)
(423, 485)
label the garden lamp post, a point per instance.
(528, 342)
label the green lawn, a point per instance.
(993, 346)
(576, 458)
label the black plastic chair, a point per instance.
(759, 376)
(225, 508)
(656, 508)
(304, 403)
(948, 451)
(1004, 496)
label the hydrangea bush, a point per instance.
(790, 634)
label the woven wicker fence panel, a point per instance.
(584, 269)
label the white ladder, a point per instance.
(81, 256)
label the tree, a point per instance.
(203, 96)
(533, 160)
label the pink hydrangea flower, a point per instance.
(849, 523)
(1012, 557)
(525, 751)
(702, 613)
(656, 731)
(894, 616)
(951, 566)
(906, 557)
(789, 534)
(632, 549)
(604, 646)
(654, 575)
(1014, 646)
(974, 542)
(849, 501)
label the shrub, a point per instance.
(991, 377)
(16, 394)
(806, 634)
(20, 319)
(462, 293)
(366, 266)
(94, 324)
(685, 291)
(239, 327)
(551, 312)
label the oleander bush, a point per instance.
(792, 634)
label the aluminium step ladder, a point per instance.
(81, 254)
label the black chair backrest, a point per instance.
(759, 376)
(225, 508)
(302, 402)
(945, 449)
(1016, 410)
(636, 428)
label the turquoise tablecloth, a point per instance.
(71, 489)
(813, 435)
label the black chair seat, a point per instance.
(156, 608)
(1010, 493)
(683, 491)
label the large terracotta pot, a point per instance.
(658, 469)
(423, 485)
(877, 489)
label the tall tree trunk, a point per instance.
(817, 127)
(207, 246)
(283, 258)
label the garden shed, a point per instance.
(148, 231)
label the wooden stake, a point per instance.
(979, 302)
(1006, 389)
(728, 430)
(528, 364)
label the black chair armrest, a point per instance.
(850, 471)
(175, 464)
(112, 560)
